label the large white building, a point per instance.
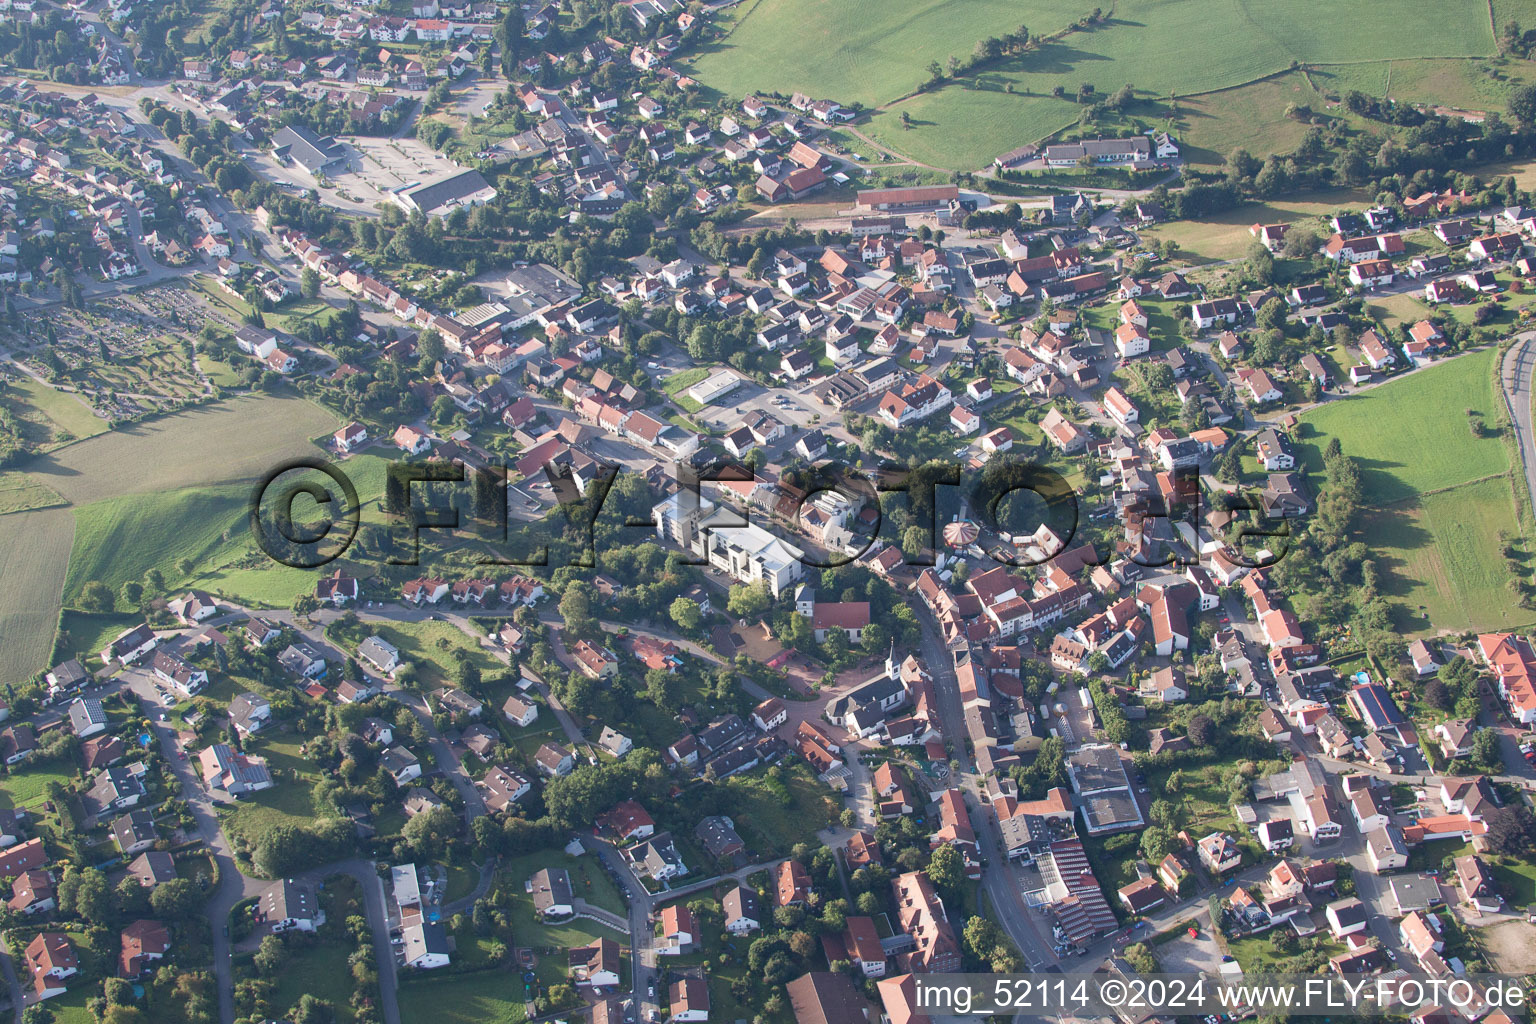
(743, 550)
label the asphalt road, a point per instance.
(1519, 378)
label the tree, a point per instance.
(576, 605)
(1141, 958)
(1522, 106)
(1202, 731)
(130, 898)
(1486, 752)
(309, 284)
(664, 689)
(686, 613)
(749, 600)
(427, 833)
(1511, 831)
(176, 898)
(1438, 695)
(314, 1010)
(914, 541)
(96, 596)
(93, 897)
(270, 956)
(947, 868)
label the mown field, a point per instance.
(34, 553)
(1439, 497)
(489, 997)
(20, 492)
(240, 439)
(145, 497)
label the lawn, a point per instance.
(1517, 881)
(69, 418)
(21, 492)
(877, 55)
(588, 881)
(489, 997)
(70, 1007)
(1412, 436)
(34, 553)
(430, 645)
(27, 785)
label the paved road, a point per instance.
(233, 886)
(998, 878)
(366, 874)
(8, 969)
(1519, 378)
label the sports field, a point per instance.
(876, 54)
(1439, 497)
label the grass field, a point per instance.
(121, 539)
(430, 646)
(240, 439)
(491, 997)
(182, 470)
(1412, 436)
(34, 553)
(1439, 497)
(1225, 236)
(20, 492)
(1251, 116)
(1443, 550)
(860, 51)
(877, 54)
(61, 414)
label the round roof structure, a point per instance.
(961, 533)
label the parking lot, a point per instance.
(381, 165)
